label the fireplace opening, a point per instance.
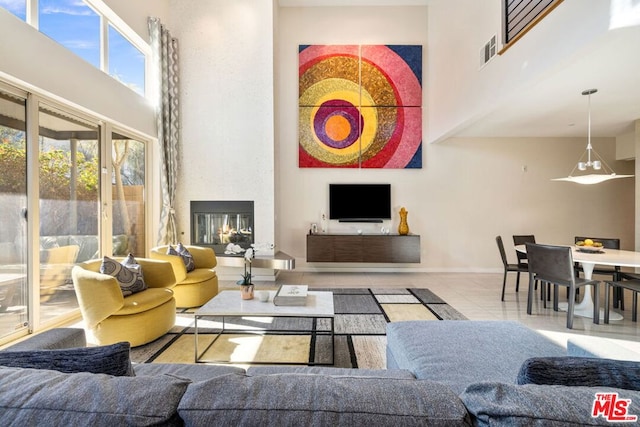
(215, 224)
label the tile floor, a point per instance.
(477, 296)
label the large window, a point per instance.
(126, 62)
(77, 25)
(74, 25)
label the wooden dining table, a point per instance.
(588, 260)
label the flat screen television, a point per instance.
(360, 202)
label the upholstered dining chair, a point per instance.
(516, 268)
(521, 239)
(618, 293)
(614, 272)
(554, 264)
(633, 285)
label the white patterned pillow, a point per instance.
(186, 256)
(128, 274)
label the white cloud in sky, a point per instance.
(12, 5)
(67, 11)
(79, 44)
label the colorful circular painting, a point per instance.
(360, 106)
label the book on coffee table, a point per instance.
(291, 295)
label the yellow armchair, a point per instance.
(195, 288)
(111, 317)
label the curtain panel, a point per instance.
(165, 67)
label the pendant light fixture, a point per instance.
(593, 160)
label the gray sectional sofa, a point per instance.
(444, 373)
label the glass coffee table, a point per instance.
(228, 305)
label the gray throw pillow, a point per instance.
(128, 274)
(580, 371)
(499, 404)
(36, 397)
(111, 359)
(186, 256)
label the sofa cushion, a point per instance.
(128, 274)
(183, 253)
(581, 371)
(111, 359)
(488, 350)
(53, 339)
(130, 262)
(144, 301)
(320, 400)
(328, 370)
(190, 371)
(199, 275)
(41, 397)
(499, 404)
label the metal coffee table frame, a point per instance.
(255, 308)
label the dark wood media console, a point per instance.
(363, 248)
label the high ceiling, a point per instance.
(554, 106)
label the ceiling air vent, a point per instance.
(488, 51)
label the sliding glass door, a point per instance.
(13, 209)
(128, 196)
(69, 187)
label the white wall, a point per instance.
(227, 96)
(626, 145)
(469, 190)
(461, 92)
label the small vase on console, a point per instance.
(403, 228)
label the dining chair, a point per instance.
(614, 272)
(516, 268)
(521, 239)
(632, 285)
(554, 265)
(618, 298)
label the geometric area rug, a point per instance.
(361, 316)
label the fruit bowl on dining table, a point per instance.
(589, 245)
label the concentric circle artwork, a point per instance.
(360, 106)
